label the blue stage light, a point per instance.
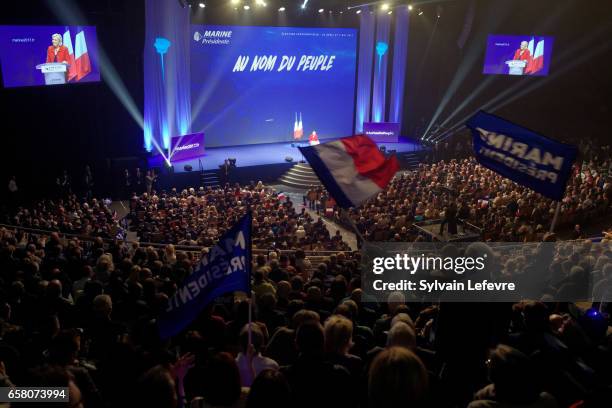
(381, 50)
(148, 138)
(161, 46)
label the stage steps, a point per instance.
(301, 175)
(210, 178)
(411, 160)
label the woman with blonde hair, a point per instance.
(57, 51)
(170, 254)
(397, 378)
(338, 331)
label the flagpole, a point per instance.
(250, 332)
(250, 294)
(353, 226)
(556, 216)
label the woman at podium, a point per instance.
(57, 52)
(523, 53)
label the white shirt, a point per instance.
(260, 363)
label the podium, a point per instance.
(54, 72)
(517, 67)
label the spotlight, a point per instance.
(420, 13)
(303, 6)
(234, 2)
(390, 12)
(410, 7)
(247, 7)
(281, 9)
(385, 7)
(202, 5)
(358, 11)
(261, 3)
(321, 10)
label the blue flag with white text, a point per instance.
(226, 268)
(522, 155)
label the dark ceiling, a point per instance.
(312, 6)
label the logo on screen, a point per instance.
(23, 40)
(218, 33)
(213, 37)
(187, 147)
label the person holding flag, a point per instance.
(523, 156)
(352, 169)
(226, 268)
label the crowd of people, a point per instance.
(199, 217)
(84, 317)
(500, 208)
(68, 214)
(81, 312)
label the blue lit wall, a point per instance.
(364, 72)
(381, 58)
(167, 99)
(400, 53)
(381, 43)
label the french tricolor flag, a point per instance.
(67, 40)
(352, 169)
(81, 57)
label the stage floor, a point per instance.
(260, 154)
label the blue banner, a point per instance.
(522, 155)
(226, 268)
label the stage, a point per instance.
(260, 155)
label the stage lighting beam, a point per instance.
(410, 7)
(202, 5)
(68, 11)
(471, 55)
(281, 9)
(384, 7)
(247, 7)
(321, 10)
(358, 11)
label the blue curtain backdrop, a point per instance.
(167, 104)
(364, 71)
(400, 53)
(381, 57)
